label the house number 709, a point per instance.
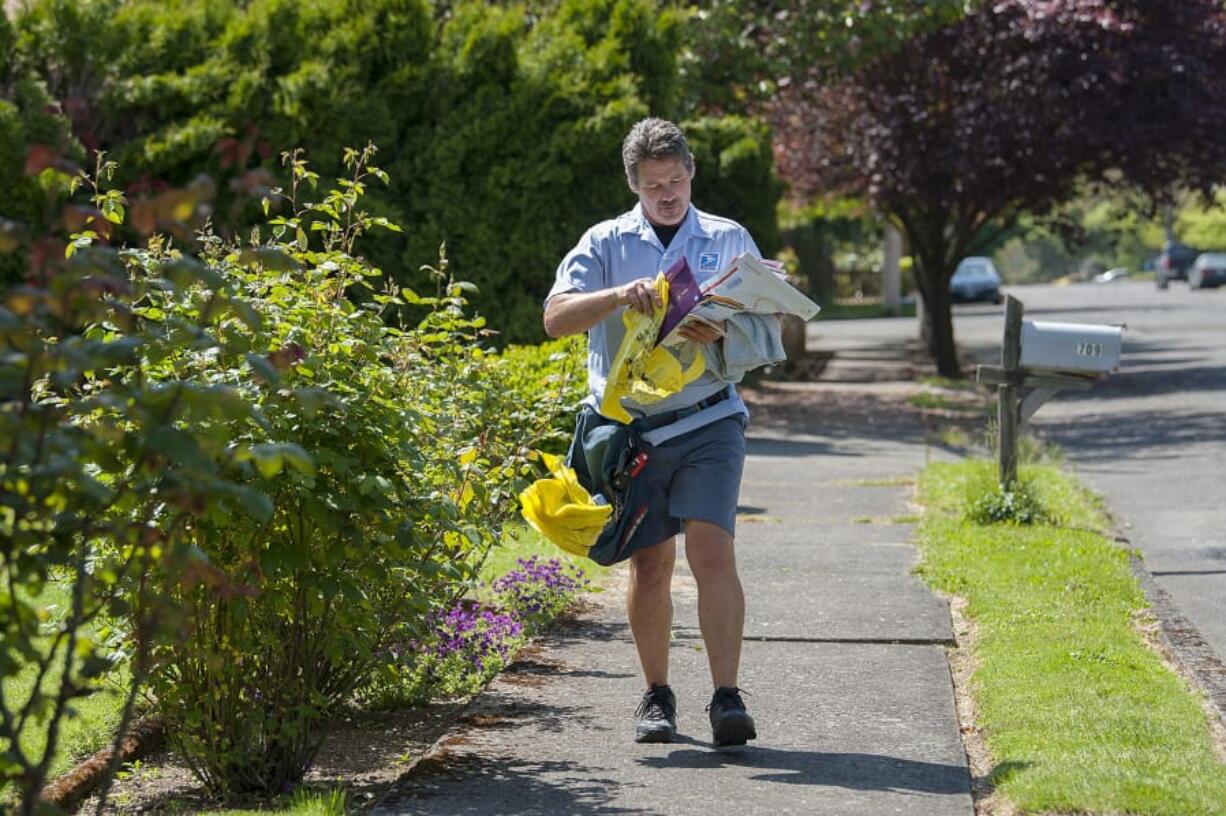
(1089, 349)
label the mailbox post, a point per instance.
(1037, 360)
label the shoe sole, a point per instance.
(655, 735)
(733, 731)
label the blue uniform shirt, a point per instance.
(626, 248)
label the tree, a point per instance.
(1004, 112)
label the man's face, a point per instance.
(664, 190)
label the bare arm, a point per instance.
(576, 312)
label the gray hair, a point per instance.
(654, 139)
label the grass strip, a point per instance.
(864, 310)
(302, 803)
(521, 541)
(1079, 714)
(91, 723)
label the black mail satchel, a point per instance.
(608, 458)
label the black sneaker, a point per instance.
(730, 722)
(656, 716)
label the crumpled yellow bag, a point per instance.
(642, 370)
(560, 509)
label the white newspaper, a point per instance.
(746, 285)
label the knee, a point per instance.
(709, 551)
(653, 567)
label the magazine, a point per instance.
(747, 284)
(683, 295)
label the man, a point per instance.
(699, 446)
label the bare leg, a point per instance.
(721, 601)
(649, 607)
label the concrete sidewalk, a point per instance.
(844, 661)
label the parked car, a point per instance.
(1173, 262)
(975, 279)
(1208, 270)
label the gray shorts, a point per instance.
(698, 474)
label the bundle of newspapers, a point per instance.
(748, 284)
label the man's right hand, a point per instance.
(640, 295)
(574, 312)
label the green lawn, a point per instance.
(303, 803)
(859, 311)
(1078, 713)
(94, 718)
(521, 541)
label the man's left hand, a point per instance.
(701, 332)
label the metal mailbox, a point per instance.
(1071, 348)
(1037, 360)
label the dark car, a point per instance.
(1173, 262)
(975, 279)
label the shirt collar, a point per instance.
(690, 226)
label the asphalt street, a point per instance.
(1151, 438)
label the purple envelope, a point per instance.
(683, 295)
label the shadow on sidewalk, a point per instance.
(838, 417)
(854, 771)
(504, 785)
(764, 446)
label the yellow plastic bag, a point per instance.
(560, 509)
(641, 370)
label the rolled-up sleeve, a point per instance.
(583, 268)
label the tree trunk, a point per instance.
(937, 327)
(794, 338)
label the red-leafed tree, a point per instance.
(965, 127)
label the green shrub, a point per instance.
(1016, 506)
(556, 369)
(251, 483)
(105, 469)
(506, 120)
(736, 174)
(390, 458)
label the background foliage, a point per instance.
(247, 483)
(501, 124)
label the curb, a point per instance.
(1196, 658)
(469, 717)
(69, 789)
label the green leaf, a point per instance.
(185, 271)
(178, 447)
(271, 457)
(273, 259)
(245, 312)
(256, 504)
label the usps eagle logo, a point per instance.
(708, 262)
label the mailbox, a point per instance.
(1070, 348)
(1037, 360)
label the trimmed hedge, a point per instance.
(501, 125)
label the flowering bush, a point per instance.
(467, 644)
(539, 590)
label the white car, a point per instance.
(1113, 274)
(1208, 270)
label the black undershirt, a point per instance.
(665, 234)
